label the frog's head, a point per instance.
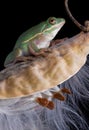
(52, 26)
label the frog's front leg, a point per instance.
(36, 51)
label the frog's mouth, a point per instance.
(51, 32)
(55, 27)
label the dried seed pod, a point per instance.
(43, 73)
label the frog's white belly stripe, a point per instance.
(44, 40)
(43, 45)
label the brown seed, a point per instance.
(45, 102)
(50, 105)
(42, 101)
(58, 96)
(65, 90)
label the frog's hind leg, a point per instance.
(11, 58)
(20, 57)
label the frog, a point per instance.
(35, 41)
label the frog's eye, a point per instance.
(52, 20)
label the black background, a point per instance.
(17, 17)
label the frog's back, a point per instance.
(29, 34)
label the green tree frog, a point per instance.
(35, 39)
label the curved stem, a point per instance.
(83, 28)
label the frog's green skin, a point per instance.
(35, 38)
